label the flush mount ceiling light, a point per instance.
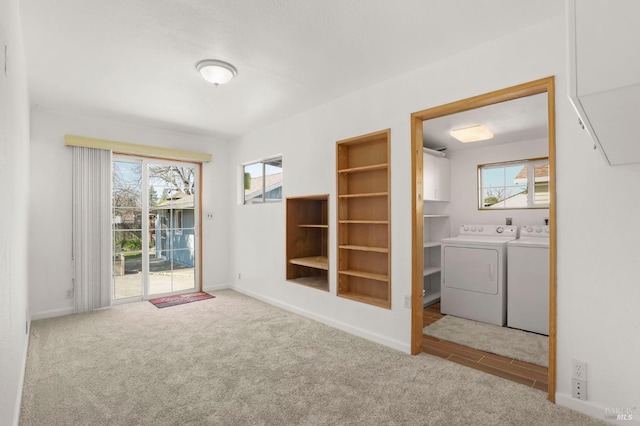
(472, 134)
(216, 72)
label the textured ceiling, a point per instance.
(134, 60)
(517, 120)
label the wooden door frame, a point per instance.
(544, 85)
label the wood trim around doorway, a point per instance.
(544, 85)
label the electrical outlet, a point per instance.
(407, 301)
(579, 389)
(579, 369)
(239, 276)
(70, 293)
(209, 216)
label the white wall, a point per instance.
(50, 218)
(14, 173)
(598, 271)
(463, 207)
(598, 291)
(307, 142)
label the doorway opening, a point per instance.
(156, 212)
(542, 86)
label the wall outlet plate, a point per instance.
(579, 370)
(579, 389)
(407, 301)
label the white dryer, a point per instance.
(528, 269)
(474, 269)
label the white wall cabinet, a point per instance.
(604, 74)
(435, 178)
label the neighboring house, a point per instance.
(272, 186)
(541, 182)
(174, 220)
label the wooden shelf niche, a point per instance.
(364, 228)
(307, 241)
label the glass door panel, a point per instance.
(127, 226)
(160, 273)
(175, 217)
(154, 236)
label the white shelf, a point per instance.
(430, 270)
(436, 223)
(430, 298)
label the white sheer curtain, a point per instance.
(91, 228)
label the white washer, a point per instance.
(528, 269)
(474, 269)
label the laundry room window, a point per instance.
(262, 181)
(514, 185)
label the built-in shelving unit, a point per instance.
(436, 222)
(307, 241)
(435, 229)
(364, 228)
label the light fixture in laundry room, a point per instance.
(215, 71)
(472, 134)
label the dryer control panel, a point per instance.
(534, 231)
(489, 230)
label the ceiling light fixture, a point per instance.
(216, 72)
(472, 134)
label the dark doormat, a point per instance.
(163, 302)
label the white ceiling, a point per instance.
(135, 60)
(512, 121)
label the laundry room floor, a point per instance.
(507, 368)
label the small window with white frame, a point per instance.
(514, 185)
(262, 181)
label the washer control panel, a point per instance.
(534, 231)
(489, 230)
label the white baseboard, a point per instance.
(51, 314)
(215, 287)
(592, 409)
(69, 311)
(395, 344)
(23, 369)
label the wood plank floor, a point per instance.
(511, 369)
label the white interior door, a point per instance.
(154, 228)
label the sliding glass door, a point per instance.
(155, 217)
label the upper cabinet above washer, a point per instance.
(604, 74)
(435, 178)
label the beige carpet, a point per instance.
(516, 344)
(233, 360)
